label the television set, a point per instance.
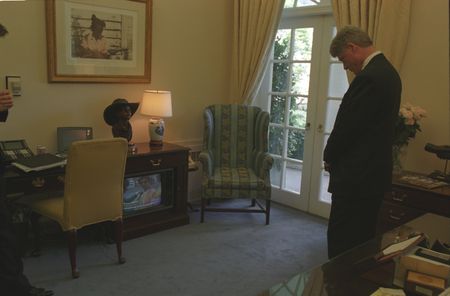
(67, 135)
(147, 192)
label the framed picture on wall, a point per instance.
(99, 41)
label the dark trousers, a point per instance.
(12, 279)
(352, 221)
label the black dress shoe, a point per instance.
(40, 292)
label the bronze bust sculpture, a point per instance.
(118, 115)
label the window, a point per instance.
(302, 3)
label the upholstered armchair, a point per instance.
(234, 158)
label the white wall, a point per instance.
(425, 76)
(190, 56)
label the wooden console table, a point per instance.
(406, 202)
(148, 160)
(153, 160)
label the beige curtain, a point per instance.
(255, 26)
(386, 22)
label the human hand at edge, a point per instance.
(6, 100)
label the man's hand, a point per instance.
(6, 100)
(326, 166)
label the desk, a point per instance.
(406, 202)
(171, 160)
(345, 275)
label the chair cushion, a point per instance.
(51, 207)
(237, 182)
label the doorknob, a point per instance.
(307, 126)
(320, 128)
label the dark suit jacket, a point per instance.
(12, 278)
(3, 116)
(359, 149)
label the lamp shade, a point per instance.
(157, 103)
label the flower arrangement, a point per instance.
(406, 127)
(408, 123)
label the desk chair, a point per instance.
(234, 158)
(93, 191)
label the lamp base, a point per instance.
(156, 131)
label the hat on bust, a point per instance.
(95, 21)
(110, 113)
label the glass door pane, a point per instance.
(302, 108)
(334, 86)
(337, 85)
(289, 99)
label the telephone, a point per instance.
(14, 149)
(443, 152)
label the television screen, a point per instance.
(142, 192)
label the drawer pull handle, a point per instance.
(399, 199)
(397, 218)
(396, 197)
(38, 182)
(156, 163)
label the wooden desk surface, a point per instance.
(145, 160)
(354, 273)
(141, 149)
(443, 190)
(145, 148)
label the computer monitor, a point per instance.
(67, 135)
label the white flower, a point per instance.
(410, 121)
(407, 124)
(411, 114)
(405, 113)
(418, 112)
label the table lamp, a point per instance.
(157, 104)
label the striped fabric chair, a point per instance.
(234, 157)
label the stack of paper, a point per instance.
(415, 261)
(398, 248)
(388, 292)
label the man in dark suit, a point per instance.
(358, 154)
(12, 280)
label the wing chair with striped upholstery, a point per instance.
(234, 158)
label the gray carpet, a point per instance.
(230, 254)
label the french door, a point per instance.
(302, 90)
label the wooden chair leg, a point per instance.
(72, 239)
(253, 202)
(119, 238)
(267, 212)
(34, 219)
(202, 210)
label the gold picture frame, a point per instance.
(105, 42)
